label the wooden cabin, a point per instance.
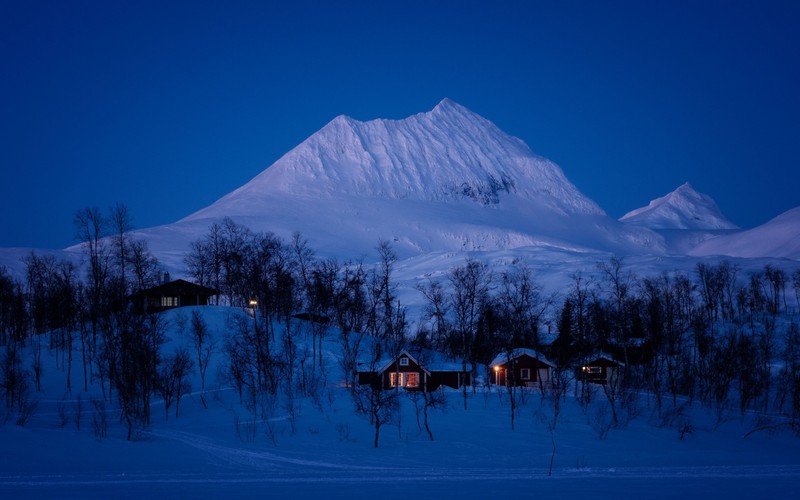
(526, 367)
(405, 371)
(600, 369)
(177, 293)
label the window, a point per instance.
(169, 301)
(592, 369)
(525, 373)
(404, 361)
(404, 379)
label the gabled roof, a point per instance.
(387, 363)
(593, 358)
(181, 287)
(436, 363)
(502, 358)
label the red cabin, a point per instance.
(526, 367)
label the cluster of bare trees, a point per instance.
(711, 336)
(87, 317)
(714, 335)
(275, 280)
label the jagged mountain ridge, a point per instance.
(683, 208)
(449, 153)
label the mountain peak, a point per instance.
(448, 105)
(683, 208)
(448, 154)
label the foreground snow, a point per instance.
(327, 449)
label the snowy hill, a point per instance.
(780, 237)
(445, 180)
(683, 208)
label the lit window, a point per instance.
(525, 373)
(404, 361)
(592, 369)
(404, 379)
(169, 301)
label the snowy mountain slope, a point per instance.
(445, 180)
(683, 208)
(780, 237)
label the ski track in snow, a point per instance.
(355, 474)
(268, 467)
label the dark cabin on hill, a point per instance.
(177, 293)
(524, 368)
(405, 371)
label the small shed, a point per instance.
(600, 369)
(525, 367)
(177, 293)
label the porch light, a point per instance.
(497, 368)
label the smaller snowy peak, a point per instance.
(683, 208)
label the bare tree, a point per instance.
(203, 347)
(90, 228)
(143, 265)
(796, 286)
(173, 380)
(380, 406)
(520, 305)
(435, 313)
(469, 291)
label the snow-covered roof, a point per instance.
(602, 355)
(432, 362)
(502, 358)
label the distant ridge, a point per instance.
(779, 237)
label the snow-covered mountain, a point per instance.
(447, 154)
(444, 180)
(683, 208)
(780, 237)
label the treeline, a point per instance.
(716, 335)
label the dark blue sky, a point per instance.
(167, 106)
